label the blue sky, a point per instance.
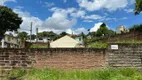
(73, 15)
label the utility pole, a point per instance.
(31, 32)
(36, 34)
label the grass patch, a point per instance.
(38, 46)
(129, 41)
(104, 74)
(98, 45)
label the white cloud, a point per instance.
(115, 19)
(59, 20)
(80, 30)
(69, 31)
(96, 27)
(112, 19)
(48, 4)
(124, 18)
(2, 2)
(129, 10)
(77, 31)
(66, 11)
(111, 5)
(78, 13)
(132, 2)
(19, 7)
(73, 12)
(65, 1)
(89, 21)
(27, 19)
(93, 17)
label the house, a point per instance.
(79, 38)
(121, 29)
(65, 42)
(10, 40)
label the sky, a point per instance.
(73, 15)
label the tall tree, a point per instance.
(138, 6)
(102, 31)
(9, 21)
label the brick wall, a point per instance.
(52, 58)
(128, 55)
(14, 58)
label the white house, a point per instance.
(121, 29)
(79, 38)
(65, 42)
(10, 40)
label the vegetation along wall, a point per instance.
(116, 55)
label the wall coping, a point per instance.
(126, 43)
(52, 49)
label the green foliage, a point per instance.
(47, 34)
(38, 46)
(23, 35)
(17, 73)
(129, 41)
(8, 20)
(102, 31)
(138, 6)
(103, 74)
(33, 36)
(98, 45)
(63, 34)
(136, 28)
(111, 33)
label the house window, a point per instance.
(79, 39)
(8, 38)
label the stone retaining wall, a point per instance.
(127, 55)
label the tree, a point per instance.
(33, 36)
(23, 35)
(9, 21)
(138, 6)
(63, 34)
(111, 33)
(137, 27)
(48, 34)
(102, 31)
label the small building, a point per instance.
(121, 29)
(39, 40)
(79, 38)
(65, 42)
(10, 40)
